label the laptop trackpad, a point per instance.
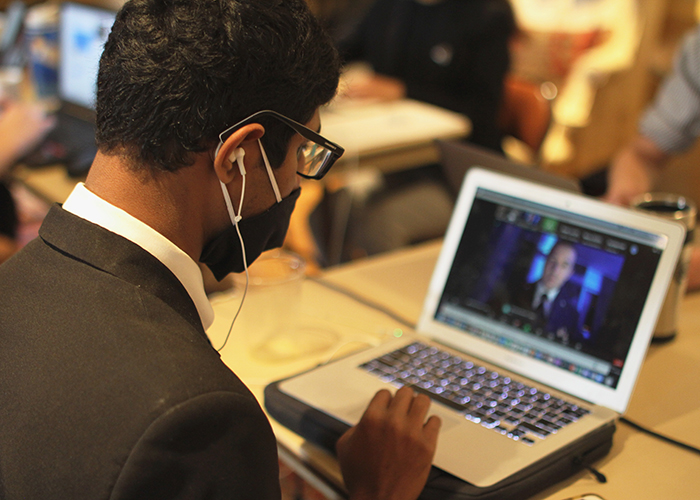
(449, 419)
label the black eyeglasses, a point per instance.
(319, 154)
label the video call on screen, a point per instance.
(591, 317)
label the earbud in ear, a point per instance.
(237, 156)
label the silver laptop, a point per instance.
(514, 382)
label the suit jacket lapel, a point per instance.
(119, 257)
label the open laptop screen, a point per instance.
(558, 287)
(83, 31)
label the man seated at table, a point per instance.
(450, 53)
(110, 387)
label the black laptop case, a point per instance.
(324, 431)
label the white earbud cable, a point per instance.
(234, 220)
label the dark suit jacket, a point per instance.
(563, 313)
(109, 388)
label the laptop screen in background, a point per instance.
(589, 325)
(83, 31)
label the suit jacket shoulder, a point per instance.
(107, 374)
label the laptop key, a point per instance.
(548, 425)
(511, 408)
(517, 433)
(533, 429)
(446, 401)
(490, 422)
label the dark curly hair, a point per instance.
(176, 73)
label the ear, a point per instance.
(245, 137)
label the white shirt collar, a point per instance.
(92, 208)
(540, 290)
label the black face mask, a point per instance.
(261, 232)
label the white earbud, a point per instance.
(237, 156)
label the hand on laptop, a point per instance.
(22, 126)
(388, 454)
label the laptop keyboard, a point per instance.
(483, 396)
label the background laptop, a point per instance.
(82, 33)
(562, 388)
(456, 157)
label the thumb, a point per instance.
(340, 444)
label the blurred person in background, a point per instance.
(669, 126)
(450, 53)
(22, 126)
(454, 54)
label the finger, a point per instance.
(431, 429)
(376, 411)
(379, 403)
(419, 408)
(340, 444)
(403, 399)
